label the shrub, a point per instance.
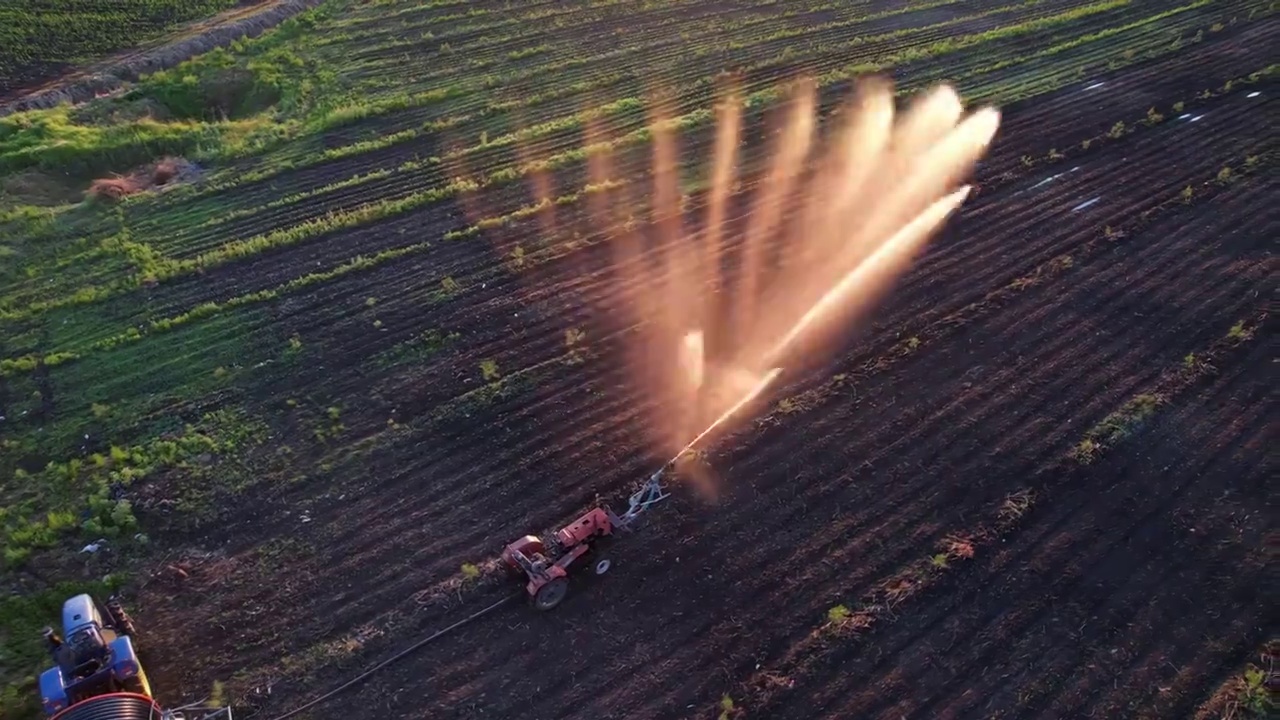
(221, 86)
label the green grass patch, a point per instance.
(1116, 426)
(137, 381)
(44, 38)
(225, 103)
(80, 496)
(416, 350)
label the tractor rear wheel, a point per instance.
(550, 595)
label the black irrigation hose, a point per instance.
(474, 616)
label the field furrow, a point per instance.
(326, 318)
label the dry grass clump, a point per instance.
(166, 172)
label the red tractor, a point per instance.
(546, 566)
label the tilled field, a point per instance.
(1035, 486)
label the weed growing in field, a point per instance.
(1239, 333)
(837, 614)
(727, 708)
(1225, 176)
(470, 572)
(1116, 426)
(517, 258)
(574, 339)
(1085, 451)
(938, 561)
(1188, 194)
(1178, 106)
(331, 429)
(1154, 117)
(1254, 694)
(1117, 131)
(1016, 505)
(489, 370)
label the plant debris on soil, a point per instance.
(167, 173)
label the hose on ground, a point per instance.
(400, 655)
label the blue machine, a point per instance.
(93, 658)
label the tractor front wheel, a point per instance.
(550, 594)
(120, 619)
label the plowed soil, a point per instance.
(910, 530)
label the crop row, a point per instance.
(356, 336)
(600, 287)
(563, 72)
(578, 69)
(66, 32)
(86, 296)
(961, 543)
(691, 75)
(499, 220)
(488, 146)
(556, 159)
(369, 261)
(630, 113)
(661, 37)
(560, 403)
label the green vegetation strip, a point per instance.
(388, 208)
(79, 489)
(56, 33)
(1127, 419)
(361, 263)
(621, 108)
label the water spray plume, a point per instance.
(751, 393)
(878, 192)
(767, 212)
(863, 283)
(845, 223)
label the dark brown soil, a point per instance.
(1068, 286)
